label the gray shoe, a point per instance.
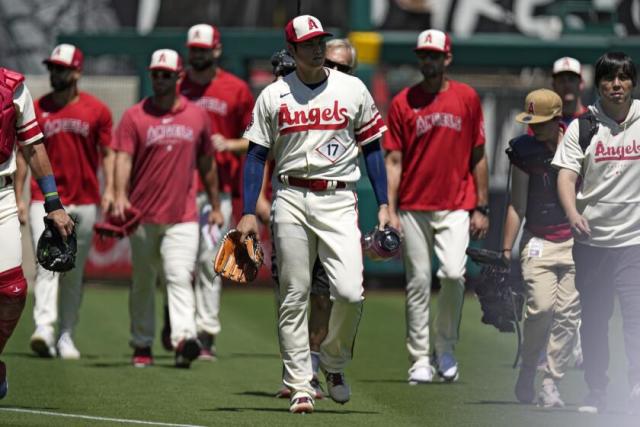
(525, 391)
(549, 396)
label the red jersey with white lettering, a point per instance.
(164, 147)
(436, 134)
(228, 102)
(316, 133)
(73, 135)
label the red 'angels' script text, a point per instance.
(315, 118)
(625, 152)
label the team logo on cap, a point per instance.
(531, 109)
(312, 25)
(427, 40)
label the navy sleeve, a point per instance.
(376, 170)
(252, 179)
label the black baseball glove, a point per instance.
(55, 253)
(283, 63)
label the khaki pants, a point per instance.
(445, 233)
(553, 307)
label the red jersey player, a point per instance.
(77, 131)
(159, 142)
(437, 173)
(228, 102)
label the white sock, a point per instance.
(315, 362)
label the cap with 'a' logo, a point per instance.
(66, 55)
(567, 65)
(303, 28)
(165, 59)
(540, 106)
(203, 35)
(433, 40)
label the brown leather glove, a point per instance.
(238, 261)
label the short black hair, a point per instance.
(612, 62)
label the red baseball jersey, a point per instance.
(436, 134)
(164, 147)
(73, 135)
(228, 102)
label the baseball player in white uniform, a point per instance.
(19, 127)
(314, 120)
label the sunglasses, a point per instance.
(335, 66)
(161, 74)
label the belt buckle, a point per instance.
(317, 184)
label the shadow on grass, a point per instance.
(255, 355)
(284, 410)
(257, 394)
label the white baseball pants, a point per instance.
(169, 250)
(208, 284)
(447, 234)
(55, 291)
(306, 225)
(11, 250)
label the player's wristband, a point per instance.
(49, 189)
(52, 205)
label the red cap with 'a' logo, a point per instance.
(203, 35)
(166, 59)
(66, 55)
(303, 28)
(434, 40)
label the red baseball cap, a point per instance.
(203, 35)
(66, 55)
(304, 27)
(434, 40)
(166, 59)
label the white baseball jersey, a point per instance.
(315, 133)
(27, 129)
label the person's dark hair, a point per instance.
(612, 62)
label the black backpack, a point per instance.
(587, 128)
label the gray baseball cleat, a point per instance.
(338, 388)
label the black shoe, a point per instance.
(186, 352)
(594, 403)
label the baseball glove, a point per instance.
(117, 228)
(53, 252)
(238, 261)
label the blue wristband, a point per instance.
(48, 187)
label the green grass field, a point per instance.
(238, 388)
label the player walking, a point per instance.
(341, 56)
(159, 141)
(19, 124)
(77, 131)
(228, 102)
(438, 189)
(567, 82)
(314, 120)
